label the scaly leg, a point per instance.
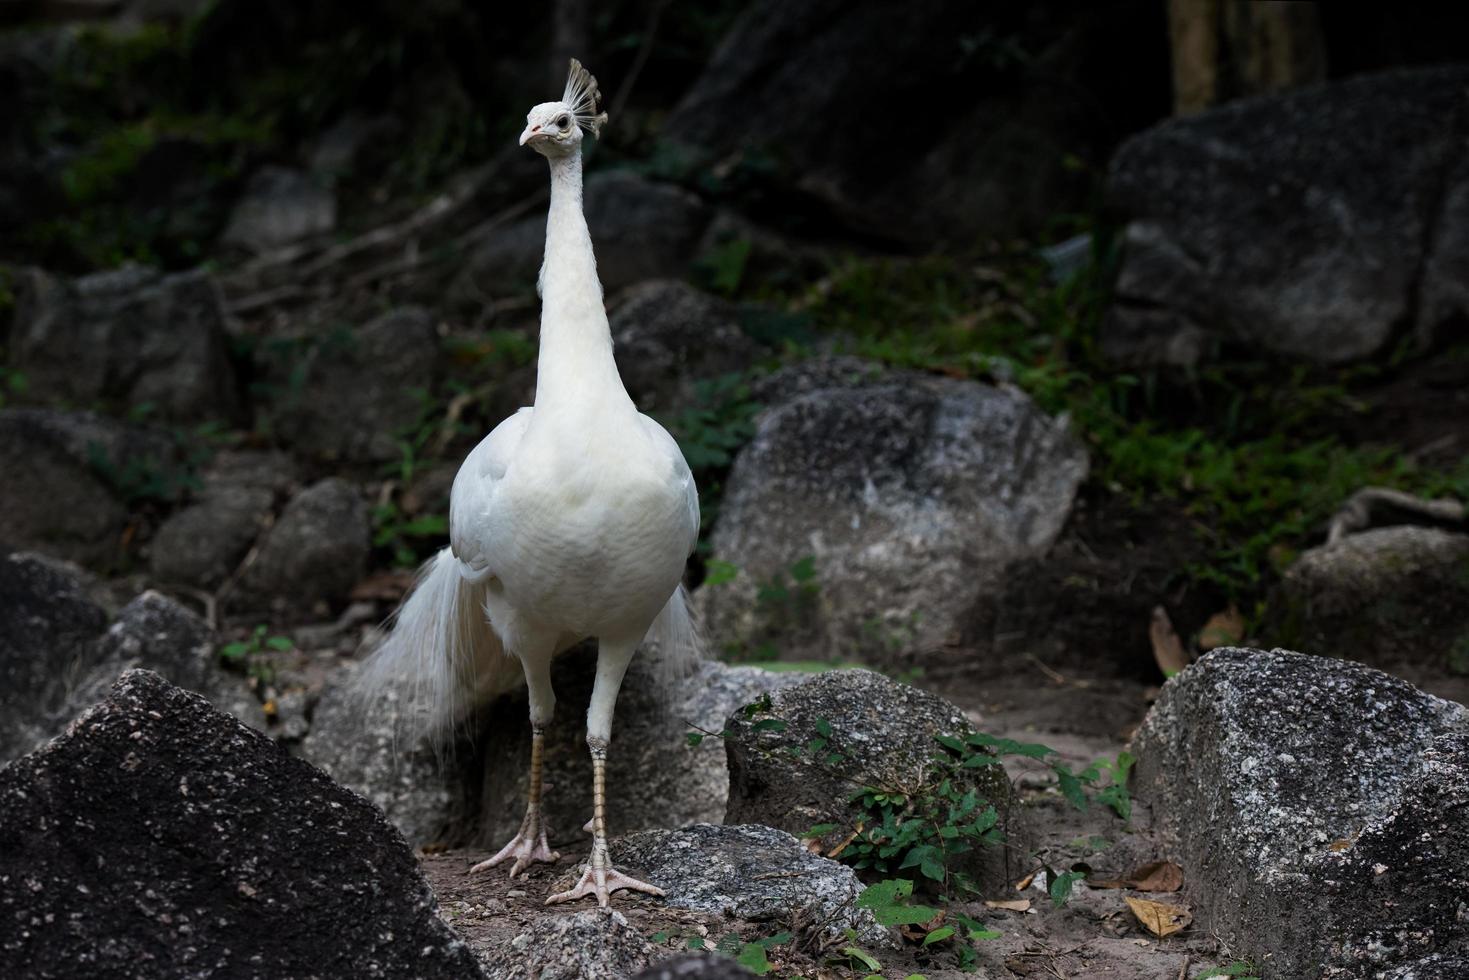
(529, 844)
(600, 878)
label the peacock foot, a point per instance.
(601, 879)
(526, 847)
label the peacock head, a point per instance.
(555, 129)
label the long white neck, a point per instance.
(575, 365)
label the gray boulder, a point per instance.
(201, 544)
(352, 395)
(589, 945)
(750, 872)
(875, 517)
(1390, 596)
(159, 836)
(1319, 809)
(1309, 224)
(280, 206)
(128, 338)
(69, 477)
(876, 733)
(316, 551)
(48, 641)
(641, 229)
(669, 336)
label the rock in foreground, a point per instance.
(159, 837)
(1319, 808)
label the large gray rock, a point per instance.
(1319, 808)
(129, 338)
(280, 206)
(48, 640)
(589, 945)
(695, 966)
(1311, 224)
(909, 493)
(641, 229)
(1388, 596)
(353, 395)
(58, 655)
(160, 837)
(877, 733)
(669, 336)
(69, 477)
(316, 551)
(752, 872)
(912, 122)
(201, 544)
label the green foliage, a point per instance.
(723, 268)
(248, 654)
(12, 382)
(1238, 969)
(408, 539)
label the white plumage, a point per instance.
(573, 518)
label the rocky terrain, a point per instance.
(1085, 562)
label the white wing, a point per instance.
(662, 440)
(475, 487)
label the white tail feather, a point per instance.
(673, 641)
(442, 657)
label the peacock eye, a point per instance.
(562, 120)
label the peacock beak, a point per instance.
(531, 132)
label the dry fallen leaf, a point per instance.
(1159, 918)
(1156, 876)
(1167, 648)
(1224, 629)
(1011, 905)
(1024, 883)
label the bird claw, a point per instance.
(527, 847)
(601, 879)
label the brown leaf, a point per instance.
(1155, 876)
(1167, 648)
(1024, 883)
(1224, 629)
(1011, 905)
(1159, 918)
(916, 933)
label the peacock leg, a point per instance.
(600, 878)
(529, 843)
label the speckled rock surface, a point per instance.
(1387, 596)
(1453, 966)
(749, 871)
(884, 732)
(668, 336)
(654, 777)
(1319, 808)
(1312, 223)
(316, 551)
(590, 945)
(695, 966)
(910, 494)
(160, 837)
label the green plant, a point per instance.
(406, 538)
(247, 654)
(710, 431)
(1238, 969)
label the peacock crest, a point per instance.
(584, 98)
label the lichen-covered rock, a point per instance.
(160, 837)
(876, 516)
(1451, 966)
(590, 945)
(132, 337)
(882, 734)
(1310, 223)
(352, 394)
(67, 475)
(695, 966)
(1319, 808)
(752, 872)
(669, 336)
(48, 636)
(1388, 596)
(316, 551)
